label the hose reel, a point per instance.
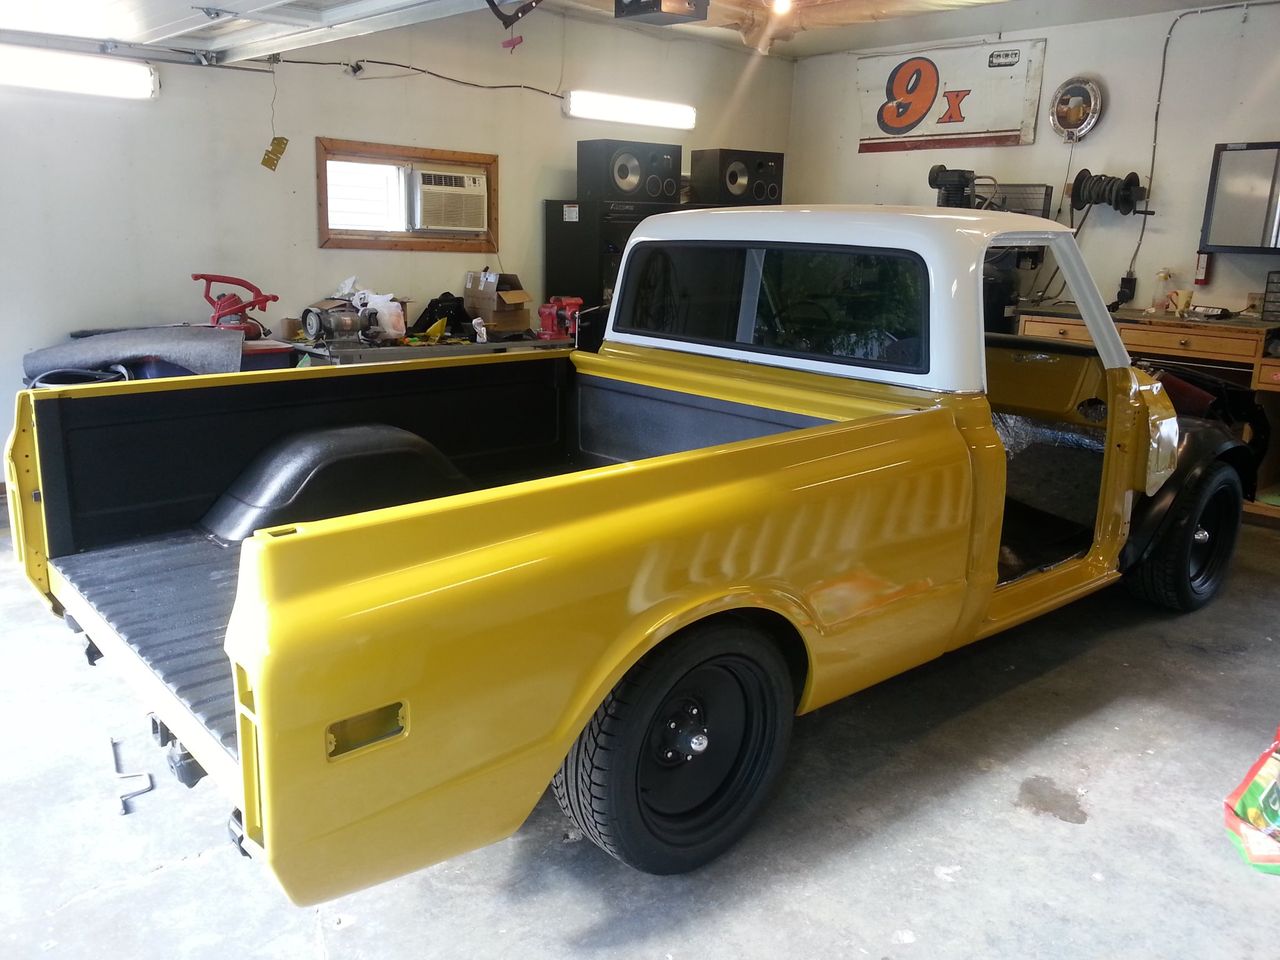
(1121, 193)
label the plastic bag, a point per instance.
(390, 314)
(1253, 812)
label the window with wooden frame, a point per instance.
(376, 196)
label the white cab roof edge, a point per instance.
(834, 223)
(952, 243)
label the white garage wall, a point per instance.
(1222, 84)
(107, 207)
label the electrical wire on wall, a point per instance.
(1057, 215)
(357, 67)
(1155, 122)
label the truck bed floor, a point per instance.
(169, 597)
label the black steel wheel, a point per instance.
(1188, 564)
(679, 758)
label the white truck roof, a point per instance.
(866, 225)
(952, 243)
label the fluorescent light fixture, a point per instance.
(781, 7)
(42, 69)
(589, 105)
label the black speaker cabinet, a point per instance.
(735, 177)
(628, 170)
(584, 244)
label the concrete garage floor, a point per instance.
(1052, 792)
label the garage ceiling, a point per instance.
(229, 30)
(816, 27)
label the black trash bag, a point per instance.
(448, 308)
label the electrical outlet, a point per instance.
(1128, 287)
(1253, 303)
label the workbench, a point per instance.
(341, 352)
(1241, 350)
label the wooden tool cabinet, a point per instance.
(1235, 349)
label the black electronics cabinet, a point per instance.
(584, 241)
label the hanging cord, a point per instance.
(275, 90)
(1045, 295)
(1155, 122)
(563, 39)
(511, 19)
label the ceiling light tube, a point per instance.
(41, 69)
(589, 105)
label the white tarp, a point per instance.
(981, 94)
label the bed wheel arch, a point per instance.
(332, 471)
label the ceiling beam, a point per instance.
(265, 14)
(110, 48)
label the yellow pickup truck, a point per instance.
(385, 607)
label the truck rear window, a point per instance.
(848, 304)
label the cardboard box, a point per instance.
(499, 299)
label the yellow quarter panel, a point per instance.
(501, 618)
(26, 511)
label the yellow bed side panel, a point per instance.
(493, 623)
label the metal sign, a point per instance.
(975, 95)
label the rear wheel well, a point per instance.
(780, 631)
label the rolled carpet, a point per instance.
(200, 349)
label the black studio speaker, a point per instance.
(628, 170)
(735, 177)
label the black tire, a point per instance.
(628, 782)
(1188, 564)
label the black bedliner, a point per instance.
(169, 597)
(127, 479)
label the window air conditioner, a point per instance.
(452, 201)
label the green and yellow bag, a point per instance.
(1253, 812)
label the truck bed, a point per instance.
(169, 598)
(128, 478)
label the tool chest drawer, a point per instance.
(1143, 338)
(1050, 329)
(1268, 376)
(1189, 342)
